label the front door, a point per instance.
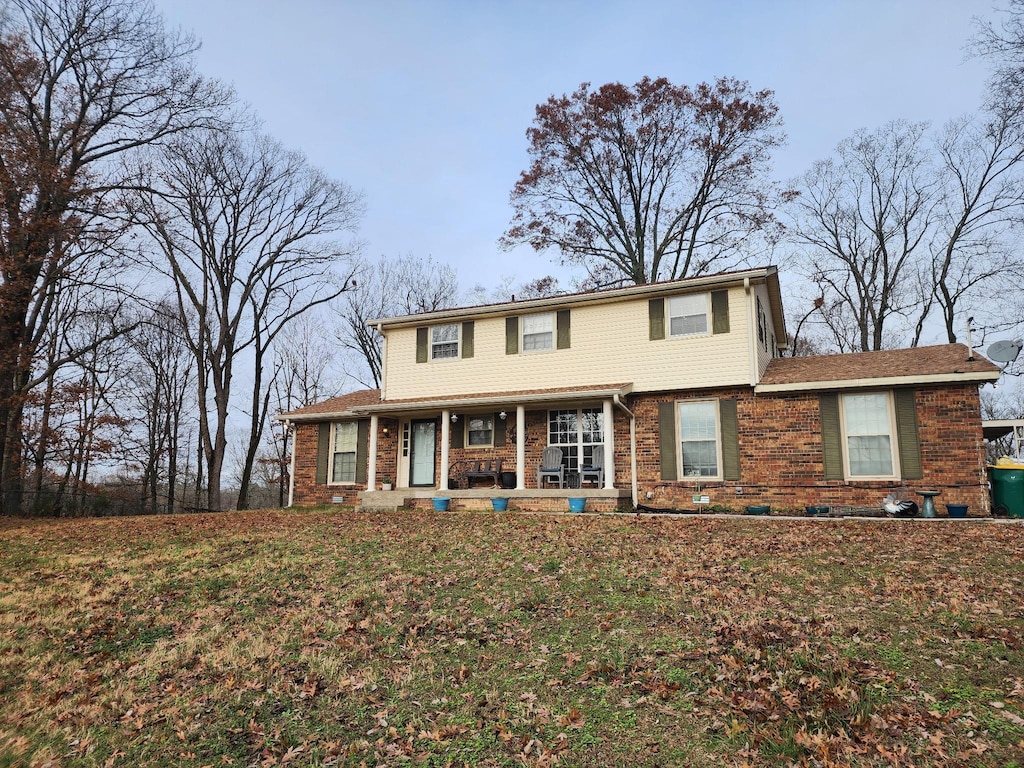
(421, 458)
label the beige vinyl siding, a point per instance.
(609, 344)
(764, 356)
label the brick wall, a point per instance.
(781, 459)
(310, 493)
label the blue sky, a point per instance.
(424, 105)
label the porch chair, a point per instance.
(551, 466)
(595, 470)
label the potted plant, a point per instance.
(500, 503)
(385, 484)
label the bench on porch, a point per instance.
(484, 470)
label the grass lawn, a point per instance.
(334, 638)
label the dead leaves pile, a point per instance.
(478, 639)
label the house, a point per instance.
(678, 386)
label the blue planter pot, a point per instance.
(956, 510)
(758, 509)
(577, 504)
(500, 505)
(441, 504)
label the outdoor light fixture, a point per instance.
(455, 417)
(502, 415)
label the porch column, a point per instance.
(442, 483)
(609, 445)
(520, 448)
(371, 456)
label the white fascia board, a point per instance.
(889, 381)
(484, 401)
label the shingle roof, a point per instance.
(337, 405)
(946, 362)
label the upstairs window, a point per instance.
(444, 342)
(538, 332)
(688, 315)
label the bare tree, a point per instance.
(82, 82)
(649, 182)
(862, 220)
(245, 229)
(405, 286)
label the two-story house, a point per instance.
(670, 388)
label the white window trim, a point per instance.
(522, 333)
(897, 471)
(720, 474)
(465, 438)
(458, 343)
(669, 316)
(330, 456)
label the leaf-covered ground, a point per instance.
(326, 638)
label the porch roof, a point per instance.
(508, 399)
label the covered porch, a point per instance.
(437, 441)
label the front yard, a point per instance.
(327, 638)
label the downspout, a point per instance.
(751, 331)
(632, 449)
(289, 427)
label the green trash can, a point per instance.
(1007, 491)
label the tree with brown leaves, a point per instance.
(650, 182)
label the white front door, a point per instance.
(421, 458)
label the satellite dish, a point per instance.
(1004, 351)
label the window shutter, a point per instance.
(458, 434)
(562, 329)
(719, 311)
(831, 436)
(906, 434)
(667, 440)
(511, 335)
(656, 312)
(467, 338)
(422, 345)
(499, 432)
(362, 450)
(323, 453)
(730, 439)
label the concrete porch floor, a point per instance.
(529, 499)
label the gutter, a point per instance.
(875, 383)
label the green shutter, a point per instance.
(499, 431)
(323, 453)
(511, 335)
(362, 449)
(656, 313)
(906, 434)
(562, 329)
(730, 439)
(467, 338)
(831, 436)
(458, 433)
(422, 348)
(667, 440)
(719, 311)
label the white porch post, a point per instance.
(371, 457)
(446, 440)
(609, 445)
(520, 448)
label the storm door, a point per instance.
(421, 459)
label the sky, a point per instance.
(424, 105)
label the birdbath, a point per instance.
(928, 507)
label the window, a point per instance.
(688, 315)
(480, 431)
(576, 432)
(868, 430)
(699, 439)
(444, 342)
(538, 332)
(343, 452)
